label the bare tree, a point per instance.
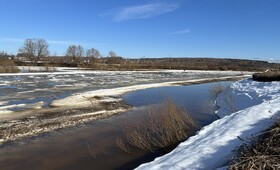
(112, 54)
(35, 49)
(113, 58)
(75, 52)
(93, 54)
(42, 48)
(80, 51)
(3, 55)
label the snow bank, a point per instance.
(212, 147)
(246, 93)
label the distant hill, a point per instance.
(119, 63)
(204, 64)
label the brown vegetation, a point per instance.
(263, 152)
(8, 66)
(216, 89)
(97, 151)
(164, 126)
(229, 101)
(267, 76)
(49, 68)
(227, 96)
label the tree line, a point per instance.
(36, 50)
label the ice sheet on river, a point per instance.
(25, 90)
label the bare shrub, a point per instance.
(49, 68)
(164, 126)
(229, 101)
(227, 97)
(216, 89)
(262, 151)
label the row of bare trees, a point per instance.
(76, 52)
(35, 50)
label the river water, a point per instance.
(24, 91)
(92, 145)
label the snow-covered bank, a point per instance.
(258, 106)
(246, 93)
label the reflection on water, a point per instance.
(195, 99)
(74, 148)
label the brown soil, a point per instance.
(33, 122)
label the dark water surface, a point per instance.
(92, 145)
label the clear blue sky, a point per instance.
(147, 28)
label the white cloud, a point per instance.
(185, 31)
(142, 11)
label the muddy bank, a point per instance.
(74, 110)
(33, 122)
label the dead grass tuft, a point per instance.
(97, 151)
(164, 126)
(262, 152)
(8, 66)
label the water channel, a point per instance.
(93, 145)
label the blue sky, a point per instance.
(147, 28)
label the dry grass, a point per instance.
(97, 151)
(49, 68)
(8, 66)
(164, 126)
(262, 152)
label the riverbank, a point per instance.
(76, 109)
(257, 108)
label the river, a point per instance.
(93, 145)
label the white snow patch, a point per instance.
(213, 146)
(7, 109)
(246, 93)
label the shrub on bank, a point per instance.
(164, 126)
